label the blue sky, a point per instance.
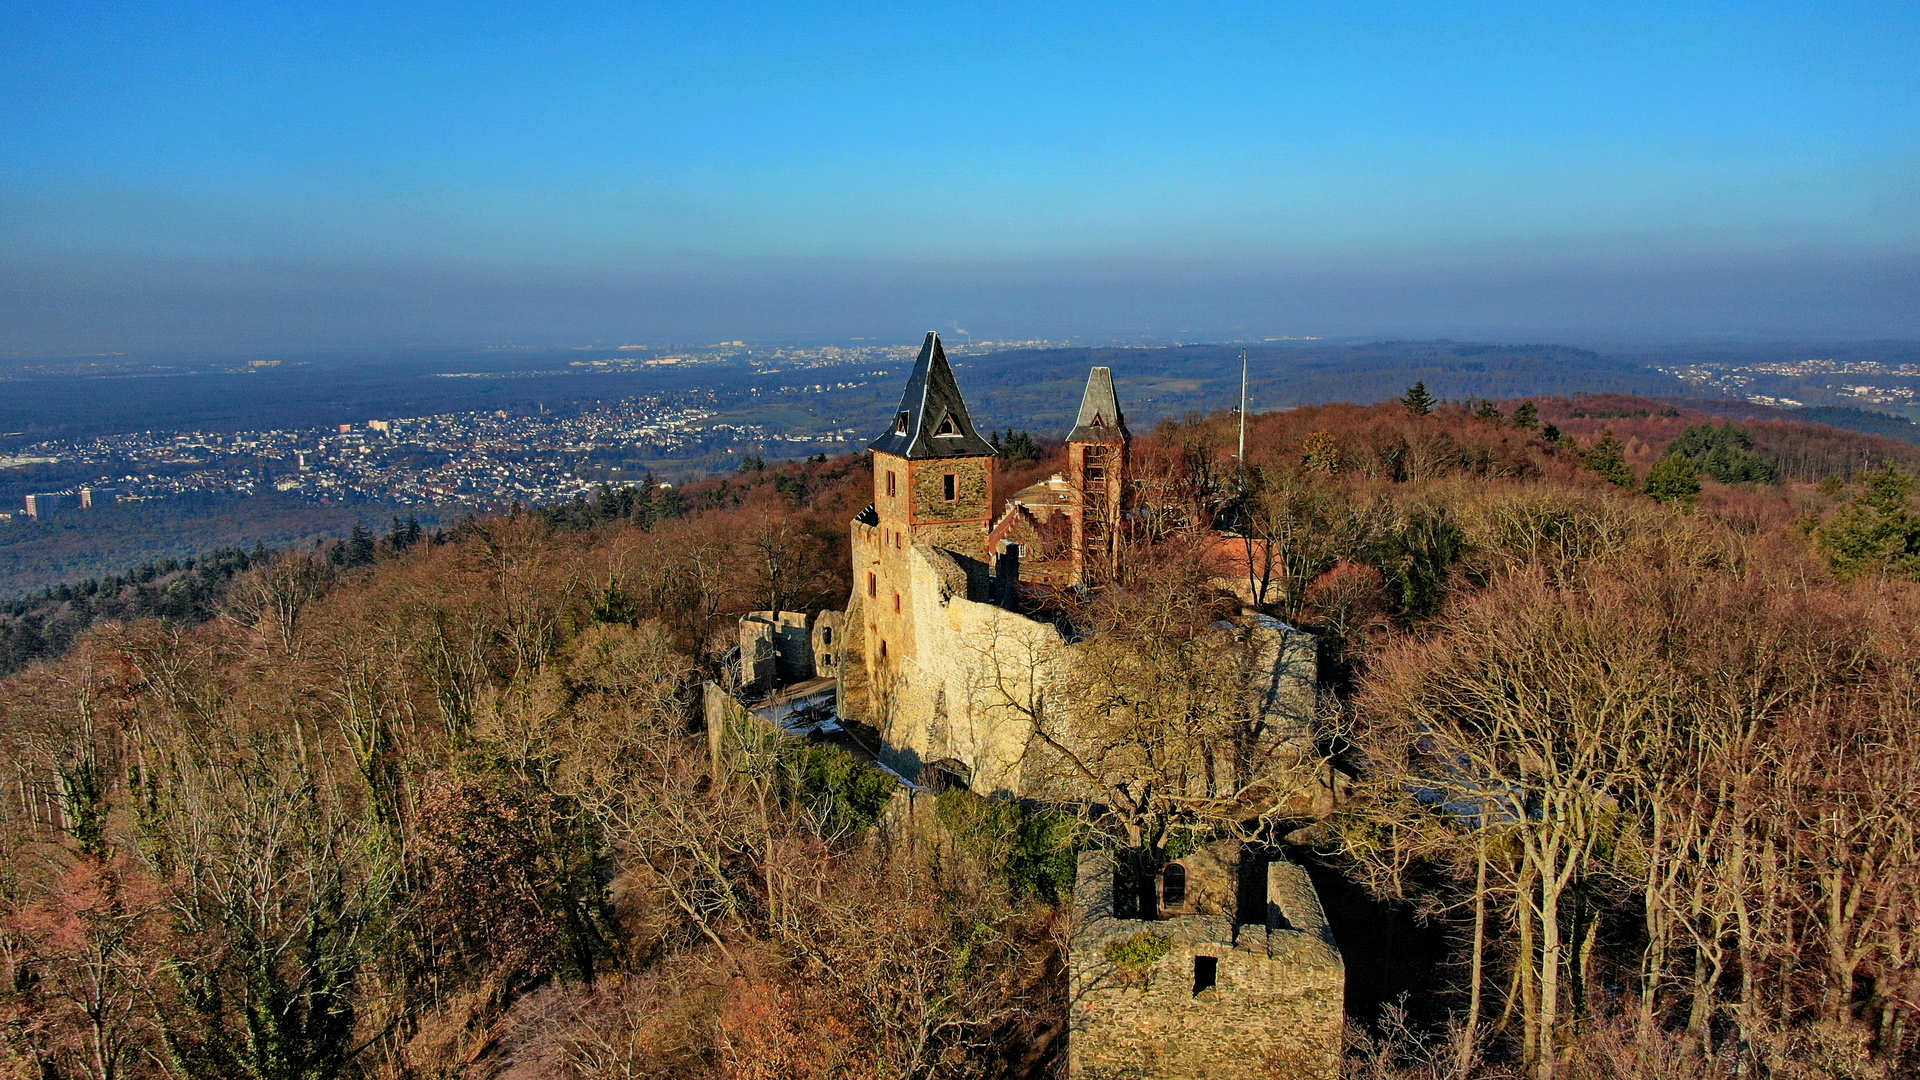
(226, 174)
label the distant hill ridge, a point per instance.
(1026, 386)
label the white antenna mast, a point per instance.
(1243, 406)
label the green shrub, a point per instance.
(1135, 956)
(844, 790)
(1035, 850)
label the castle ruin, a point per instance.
(938, 654)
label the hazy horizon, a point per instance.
(351, 177)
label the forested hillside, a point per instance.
(1631, 757)
(36, 555)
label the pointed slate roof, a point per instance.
(1100, 420)
(932, 421)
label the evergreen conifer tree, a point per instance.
(1418, 401)
(1488, 411)
(1674, 479)
(1526, 415)
(1878, 532)
(1608, 458)
(1021, 447)
(644, 512)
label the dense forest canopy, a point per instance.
(1630, 777)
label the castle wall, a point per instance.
(953, 677)
(1274, 1009)
(776, 649)
(829, 644)
(966, 692)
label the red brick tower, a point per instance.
(1097, 468)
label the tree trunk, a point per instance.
(1471, 1035)
(1550, 965)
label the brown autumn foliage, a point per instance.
(1650, 770)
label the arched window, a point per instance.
(1173, 885)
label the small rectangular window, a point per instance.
(873, 585)
(896, 603)
(952, 484)
(826, 635)
(890, 487)
(1206, 970)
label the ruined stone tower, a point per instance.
(1234, 976)
(1096, 469)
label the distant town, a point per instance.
(477, 458)
(1792, 384)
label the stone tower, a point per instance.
(1235, 977)
(1096, 470)
(933, 481)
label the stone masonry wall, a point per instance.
(963, 675)
(961, 695)
(973, 491)
(1275, 1008)
(776, 648)
(829, 644)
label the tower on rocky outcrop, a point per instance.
(933, 479)
(1096, 470)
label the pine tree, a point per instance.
(644, 512)
(1608, 458)
(1488, 411)
(1878, 532)
(1725, 452)
(359, 547)
(671, 504)
(1021, 447)
(1674, 480)
(1526, 415)
(1418, 401)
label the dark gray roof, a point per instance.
(1100, 419)
(932, 420)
